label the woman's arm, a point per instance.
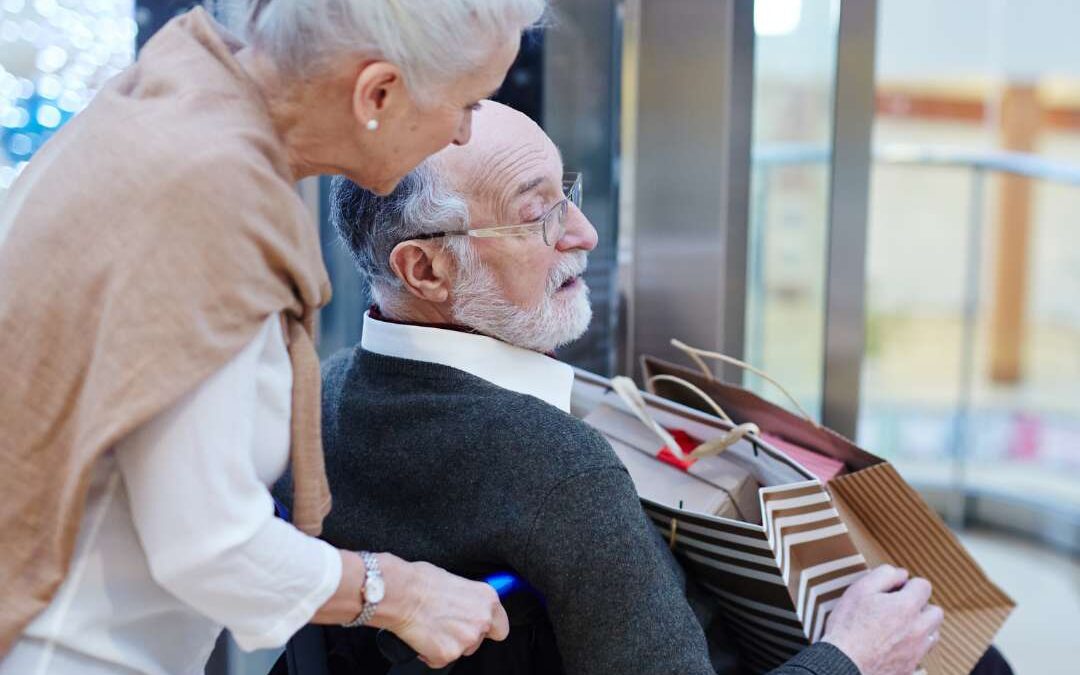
(206, 520)
(206, 524)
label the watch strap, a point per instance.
(367, 611)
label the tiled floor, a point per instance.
(1043, 634)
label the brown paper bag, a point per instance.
(887, 521)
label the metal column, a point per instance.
(688, 163)
(580, 91)
(845, 311)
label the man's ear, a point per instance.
(378, 93)
(424, 268)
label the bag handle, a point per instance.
(631, 395)
(697, 390)
(628, 392)
(695, 354)
(717, 445)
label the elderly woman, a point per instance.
(159, 284)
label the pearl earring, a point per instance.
(372, 124)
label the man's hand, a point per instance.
(440, 615)
(883, 622)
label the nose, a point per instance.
(464, 130)
(580, 233)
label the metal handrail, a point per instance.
(1016, 163)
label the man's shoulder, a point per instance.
(541, 433)
(461, 409)
(334, 369)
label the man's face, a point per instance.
(518, 288)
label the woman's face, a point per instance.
(408, 135)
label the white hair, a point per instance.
(432, 41)
(371, 225)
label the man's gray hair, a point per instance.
(433, 42)
(371, 225)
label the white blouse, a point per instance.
(179, 539)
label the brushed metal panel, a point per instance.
(688, 175)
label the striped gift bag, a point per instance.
(777, 580)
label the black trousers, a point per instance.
(992, 663)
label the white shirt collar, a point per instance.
(502, 364)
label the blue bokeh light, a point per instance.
(35, 120)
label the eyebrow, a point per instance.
(529, 186)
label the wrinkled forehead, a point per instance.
(508, 155)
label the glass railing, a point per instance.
(928, 401)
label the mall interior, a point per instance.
(869, 200)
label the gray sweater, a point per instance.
(431, 463)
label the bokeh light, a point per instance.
(54, 56)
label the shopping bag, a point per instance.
(884, 519)
(776, 580)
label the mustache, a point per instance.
(569, 266)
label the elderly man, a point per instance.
(450, 424)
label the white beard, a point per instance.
(559, 319)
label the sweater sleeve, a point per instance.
(615, 602)
(818, 659)
(203, 514)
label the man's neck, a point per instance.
(416, 312)
(428, 320)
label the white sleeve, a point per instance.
(205, 519)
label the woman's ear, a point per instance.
(424, 268)
(378, 93)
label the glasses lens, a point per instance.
(555, 224)
(572, 188)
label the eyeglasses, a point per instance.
(552, 225)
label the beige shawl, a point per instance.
(149, 240)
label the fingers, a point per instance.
(926, 630)
(881, 579)
(916, 591)
(445, 657)
(929, 620)
(500, 625)
(473, 647)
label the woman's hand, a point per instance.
(440, 615)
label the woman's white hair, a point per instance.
(432, 41)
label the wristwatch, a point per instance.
(372, 593)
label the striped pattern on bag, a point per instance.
(777, 582)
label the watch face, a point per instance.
(374, 590)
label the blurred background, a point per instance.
(875, 201)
